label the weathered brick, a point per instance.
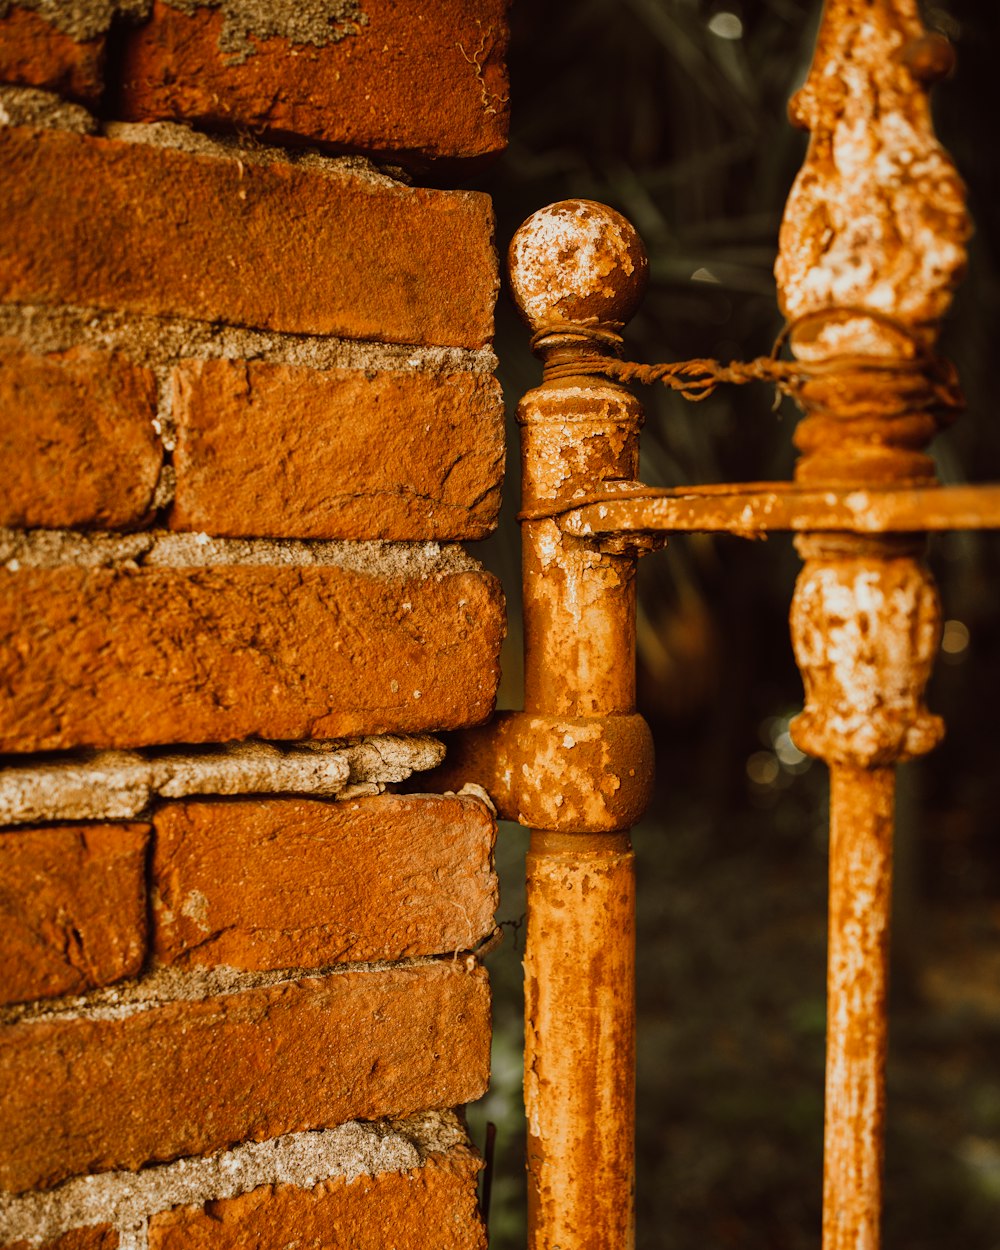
(284, 451)
(432, 1207)
(219, 238)
(414, 79)
(97, 1237)
(35, 53)
(72, 908)
(135, 656)
(285, 883)
(184, 1077)
(77, 445)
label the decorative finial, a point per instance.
(876, 218)
(577, 262)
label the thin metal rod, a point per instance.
(861, 827)
(757, 508)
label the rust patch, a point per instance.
(872, 243)
(866, 632)
(579, 1065)
(861, 808)
(749, 509)
(565, 774)
(876, 217)
(577, 261)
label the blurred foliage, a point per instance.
(673, 112)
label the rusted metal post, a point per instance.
(865, 624)
(871, 247)
(576, 265)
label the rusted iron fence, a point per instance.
(871, 248)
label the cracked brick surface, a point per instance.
(35, 53)
(115, 1090)
(432, 1207)
(276, 450)
(414, 80)
(274, 245)
(77, 445)
(280, 883)
(72, 908)
(216, 356)
(135, 655)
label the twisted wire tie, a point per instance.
(935, 377)
(697, 379)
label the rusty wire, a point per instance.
(697, 379)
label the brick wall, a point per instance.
(247, 413)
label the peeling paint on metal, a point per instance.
(866, 635)
(572, 261)
(599, 768)
(876, 217)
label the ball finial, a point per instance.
(577, 261)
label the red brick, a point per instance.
(35, 53)
(130, 657)
(417, 78)
(77, 445)
(186, 1077)
(97, 1237)
(299, 883)
(72, 908)
(432, 1207)
(276, 246)
(292, 452)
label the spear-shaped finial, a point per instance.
(876, 218)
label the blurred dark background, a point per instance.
(673, 112)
